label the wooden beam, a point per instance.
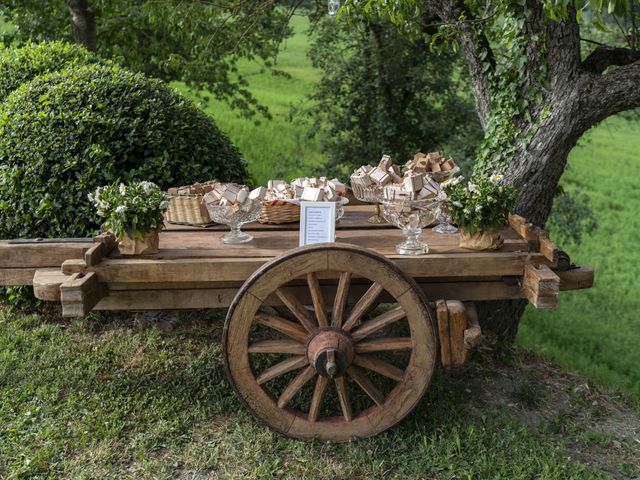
(576, 278)
(32, 255)
(16, 276)
(80, 294)
(47, 282)
(541, 285)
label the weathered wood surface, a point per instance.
(458, 329)
(80, 293)
(356, 218)
(541, 286)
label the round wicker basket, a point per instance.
(277, 211)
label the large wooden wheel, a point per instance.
(343, 365)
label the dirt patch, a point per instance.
(596, 427)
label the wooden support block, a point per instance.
(95, 254)
(473, 332)
(80, 294)
(576, 278)
(46, 284)
(541, 286)
(457, 327)
(37, 254)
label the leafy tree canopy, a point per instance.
(197, 42)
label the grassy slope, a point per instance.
(597, 331)
(278, 147)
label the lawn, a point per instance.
(598, 331)
(120, 398)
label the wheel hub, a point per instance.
(330, 352)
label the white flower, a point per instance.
(472, 187)
(496, 178)
(122, 189)
(478, 208)
(490, 199)
(146, 186)
(102, 204)
(448, 182)
(456, 203)
(467, 211)
(121, 209)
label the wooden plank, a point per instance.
(46, 284)
(457, 327)
(16, 276)
(442, 316)
(530, 232)
(27, 255)
(80, 294)
(541, 285)
(576, 278)
(95, 254)
(132, 270)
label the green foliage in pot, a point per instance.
(64, 134)
(132, 210)
(21, 65)
(481, 204)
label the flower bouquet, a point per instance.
(134, 213)
(481, 209)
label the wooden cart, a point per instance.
(333, 341)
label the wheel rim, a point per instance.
(337, 355)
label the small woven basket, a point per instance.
(277, 211)
(186, 205)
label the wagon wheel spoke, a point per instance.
(379, 366)
(297, 308)
(277, 346)
(384, 345)
(343, 396)
(378, 323)
(290, 329)
(363, 306)
(340, 299)
(318, 299)
(281, 368)
(318, 397)
(284, 369)
(367, 385)
(294, 387)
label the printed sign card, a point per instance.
(317, 222)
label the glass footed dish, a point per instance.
(373, 195)
(235, 216)
(411, 216)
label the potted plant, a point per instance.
(481, 209)
(134, 213)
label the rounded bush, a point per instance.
(64, 134)
(21, 65)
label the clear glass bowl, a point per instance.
(235, 216)
(411, 216)
(372, 194)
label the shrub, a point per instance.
(21, 65)
(64, 134)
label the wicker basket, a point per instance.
(186, 205)
(277, 211)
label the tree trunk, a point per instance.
(83, 23)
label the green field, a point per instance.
(598, 331)
(123, 397)
(277, 147)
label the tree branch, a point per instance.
(616, 91)
(604, 57)
(472, 43)
(563, 51)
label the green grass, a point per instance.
(278, 147)
(94, 399)
(598, 331)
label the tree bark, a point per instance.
(83, 23)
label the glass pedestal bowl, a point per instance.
(235, 216)
(373, 195)
(411, 216)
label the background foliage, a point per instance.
(66, 133)
(384, 93)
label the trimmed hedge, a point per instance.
(64, 134)
(21, 65)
